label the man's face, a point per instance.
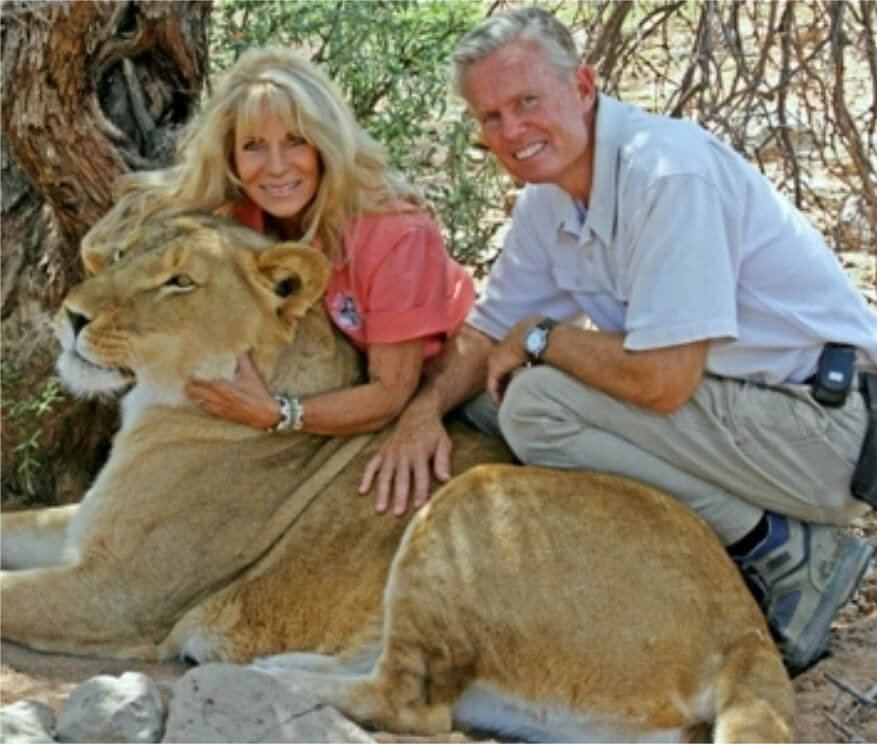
(533, 120)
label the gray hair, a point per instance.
(525, 24)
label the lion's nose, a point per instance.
(77, 321)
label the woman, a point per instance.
(278, 149)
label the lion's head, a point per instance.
(184, 296)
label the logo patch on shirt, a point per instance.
(345, 312)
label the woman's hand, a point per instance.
(401, 469)
(244, 399)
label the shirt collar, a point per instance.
(600, 219)
(602, 202)
(248, 213)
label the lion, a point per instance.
(534, 603)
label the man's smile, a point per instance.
(525, 153)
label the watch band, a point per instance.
(292, 414)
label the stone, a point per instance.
(229, 703)
(26, 721)
(128, 708)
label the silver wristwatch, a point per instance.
(536, 339)
(292, 414)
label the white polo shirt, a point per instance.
(682, 241)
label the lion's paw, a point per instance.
(282, 664)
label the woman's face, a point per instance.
(279, 171)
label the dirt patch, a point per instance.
(824, 712)
(49, 678)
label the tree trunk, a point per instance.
(90, 90)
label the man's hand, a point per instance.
(244, 399)
(506, 357)
(403, 461)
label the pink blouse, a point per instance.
(398, 284)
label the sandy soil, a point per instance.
(49, 678)
(853, 660)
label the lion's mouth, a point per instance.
(85, 377)
(123, 371)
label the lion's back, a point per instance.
(524, 547)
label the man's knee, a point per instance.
(519, 409)
(537, 405)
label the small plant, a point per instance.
(24, 418)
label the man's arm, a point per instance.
(456, 375)
(656, 379)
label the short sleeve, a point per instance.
(416, 290)
(682, 268)
(521, 282)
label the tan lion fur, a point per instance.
(534, 602)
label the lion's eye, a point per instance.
(117, 255)
(180, 281)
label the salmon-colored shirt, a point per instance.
(398, 284)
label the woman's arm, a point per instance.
(394, 374)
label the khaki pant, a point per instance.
(734, 450)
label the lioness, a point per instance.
(530, 602)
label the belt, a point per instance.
(868, 388)
(864, 483)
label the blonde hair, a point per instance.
(355, 176)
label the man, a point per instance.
(715, 302)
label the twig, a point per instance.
(846, 730)
(869, 699)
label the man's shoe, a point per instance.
(802, 574)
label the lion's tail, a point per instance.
(754, 697)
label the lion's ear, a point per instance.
(93, 261)
(297, 273)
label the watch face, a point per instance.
(534, 341)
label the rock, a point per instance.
(228, 703)
(26, 721)
(128, 708)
